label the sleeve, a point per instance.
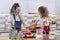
(10, 19)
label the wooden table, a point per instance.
(57, 38)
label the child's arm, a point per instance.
(10, 21)
(49, 24)
(10, 24)
(22, 20)
(23, 23)
(33, 24)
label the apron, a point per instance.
(17, 24)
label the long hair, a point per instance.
(43, 11)
(13, 8)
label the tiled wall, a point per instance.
(3, 25)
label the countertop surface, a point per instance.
(5, 36)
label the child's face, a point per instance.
(39, 12)
(18, 10)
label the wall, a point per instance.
(27, 5)
(57, 6)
